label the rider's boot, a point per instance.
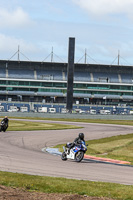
(69, 151)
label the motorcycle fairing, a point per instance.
(71, 155)
(76, 149)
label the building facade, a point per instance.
(47, 82)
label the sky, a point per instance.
(39, 30)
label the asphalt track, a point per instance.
(21, 152)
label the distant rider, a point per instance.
(6, 120)
(77, 141)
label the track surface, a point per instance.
(20, 151)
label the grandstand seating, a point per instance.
(49, 74)
(2, 72)
(82, 76)
(21, 73)
(100, 77)
(47, 80)
(105, 77)
(126, 78)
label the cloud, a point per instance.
(28, 50)
(9, 45)
(106, 7)
(15, 18)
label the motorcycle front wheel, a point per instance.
(63, 156)
(79, 156)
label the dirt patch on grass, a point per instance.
(9, 193)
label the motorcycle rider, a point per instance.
(6, 120)
(77, 141)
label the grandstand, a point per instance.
(94, 84)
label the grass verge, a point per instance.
(101, 121)
(30, 126)
(62, 185)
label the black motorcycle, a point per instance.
(3, 126)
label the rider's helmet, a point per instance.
(81, 136)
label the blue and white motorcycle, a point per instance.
(76, 153)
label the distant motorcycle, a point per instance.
(76, 153)
(3, 126)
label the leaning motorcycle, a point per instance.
(3, 126)
(76, 153)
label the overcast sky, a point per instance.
(101, 27)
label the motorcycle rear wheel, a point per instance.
(63, 156)
(79, 156)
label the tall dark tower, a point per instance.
(70, 73)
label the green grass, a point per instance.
(102, 121)
(63, 185)
(116, 147)
(29, 126)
